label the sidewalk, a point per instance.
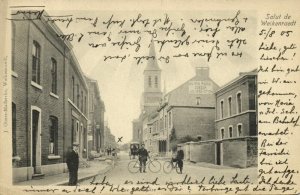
(208, 165)
(96, 167)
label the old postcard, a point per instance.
(140, 97)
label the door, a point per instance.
(218, 153)
(35, 130)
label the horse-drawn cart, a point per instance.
(133, 149)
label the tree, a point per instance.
(174, 141)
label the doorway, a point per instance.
(219, 153)
(36, 140)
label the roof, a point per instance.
(182, 96)
(240, 77)
(152, 63)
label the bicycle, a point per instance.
(153, 165)
(169, 166)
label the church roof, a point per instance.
(182, 96)
(152, 63)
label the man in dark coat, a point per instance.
(73, 163)
(143, 155)
(179, 158)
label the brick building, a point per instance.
(137, 134)
(236, 107)
(76, 110)
(236, 120)
(109, 138)
(49, 100)
(235, 141)
(38, 98)
(188, 110)
(96, 117)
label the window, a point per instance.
(197, 100)
(73, 130)
(81, 101)
(166, 121)
(239, 130)
(77, 132)
(36, 54)
(53, 137)
(14, 129)
(162, 123)
(149, 81)
(78, 96)
(230, 131)
(222, 133)
(222, 108)
(85, 104)
(53, 76)
(239, 102)
(156, 82)
(229, 107)
(13, 30)
(170, 119)
(92, 102)
(73, 89)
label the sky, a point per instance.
(121, 84)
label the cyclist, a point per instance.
(143, 155)
(179, 157)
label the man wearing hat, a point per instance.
(143, 155)
(73, 163)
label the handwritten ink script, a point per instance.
(186, 184)
(277, 97)
(209, 38)
(121, 39)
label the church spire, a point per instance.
(152, 63)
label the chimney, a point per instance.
(202, 72)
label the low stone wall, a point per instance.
(202, 152)
(240, 152)
(25, 173)
(22, 174)
(54, 169)
(234, 153)
(186, 150)
(252, 152)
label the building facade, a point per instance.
(49, 100)
(96, 117)
(236, 122)
(235, 141)
(185, 112)
(236, 107)
(137, 134)
(109, 138)
(38, 99)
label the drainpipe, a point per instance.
(64, 105)
(27, 104)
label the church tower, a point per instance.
(152, 83)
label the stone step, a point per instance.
(38, 176)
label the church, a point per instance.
(150, 99)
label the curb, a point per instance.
(108, 168)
